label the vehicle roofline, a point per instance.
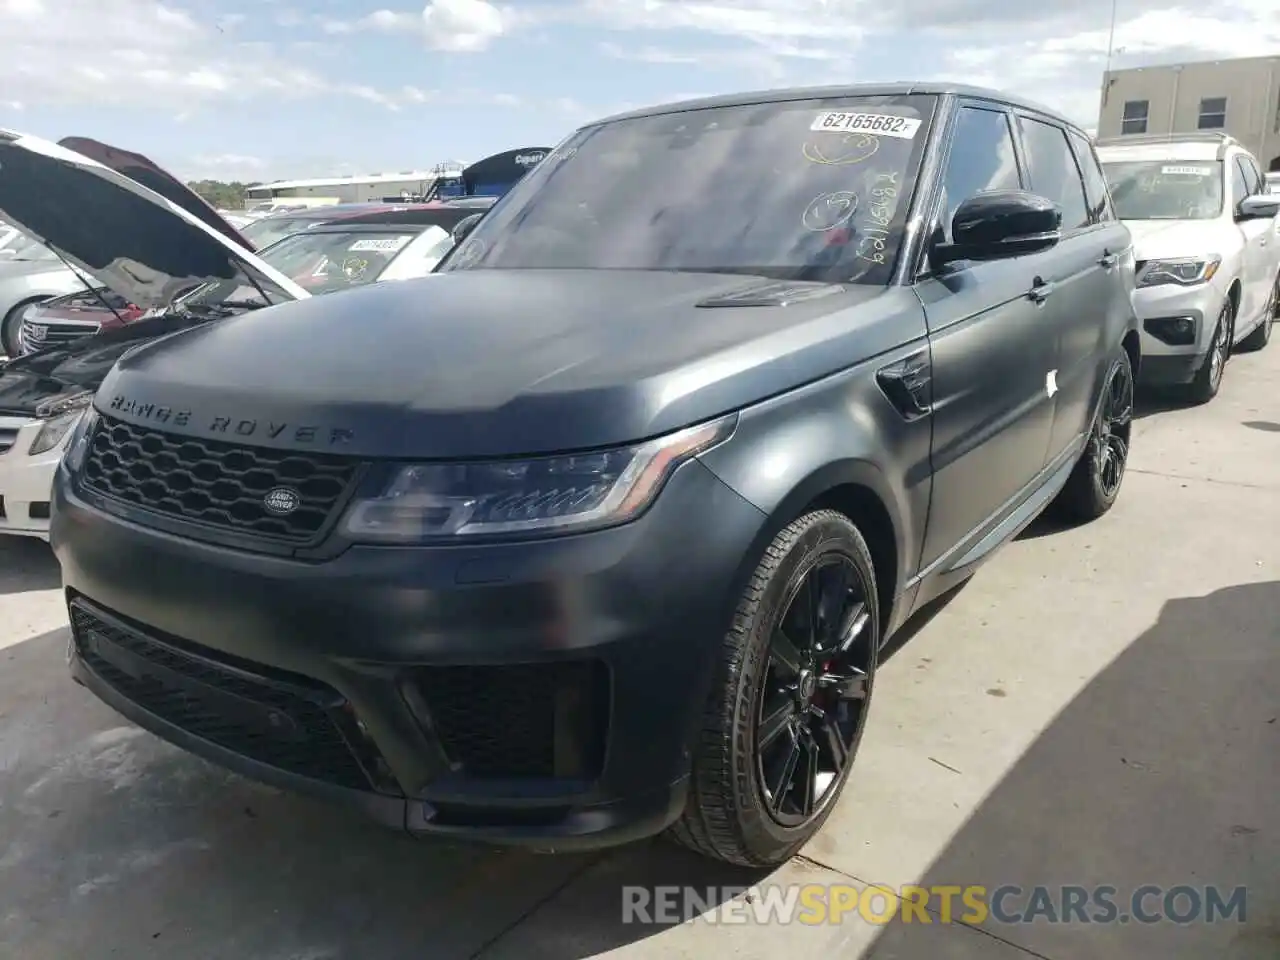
(896, 88)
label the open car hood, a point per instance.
(147, 246)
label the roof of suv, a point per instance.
(1184, 146)
(895, 88)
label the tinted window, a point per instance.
(1095, 184)
(1134, 119)
(1239, 184)
(982, 158)
(1166, 189)
(806, 189)
(1051, 167)
(1213, 113)
(1253, 178)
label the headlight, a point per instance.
(565, 494)
(1184, 271)
(62, 415)
(78, 445)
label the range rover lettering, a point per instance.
(637, 485)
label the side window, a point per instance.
(1239, 183)
(982, 158)
(1251, 175)
(1096, 191)
(1134, 119)
(1053, 171)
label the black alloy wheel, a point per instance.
(814, 691)
(1112, 431)
(789, 698)
(1094, 484)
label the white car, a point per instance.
(149, 260)
(1207, 244)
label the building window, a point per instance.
(1213, 113)
(1134, 119)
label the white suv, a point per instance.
(1207, 244)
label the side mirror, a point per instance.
(998, 224)
(464, 227)
(1260, 206)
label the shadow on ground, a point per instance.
(27, 564)
(1151, 401)
(1163, 771)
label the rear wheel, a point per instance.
(790, 697)
(1095, 482)
(1261, 334)
(1204, 386)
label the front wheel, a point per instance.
(1094, 484)
(1261, 334)
(1204, 386)
(790, 697)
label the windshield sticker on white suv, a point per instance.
(382, 244)
(881, 124)
(1177, 171)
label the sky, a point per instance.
(269, 89)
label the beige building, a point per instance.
(1239, 97)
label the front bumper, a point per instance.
(542, 693)
(25, 481)
(1165, 362)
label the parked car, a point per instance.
(1208, 252)
(44, 394)
(267, 230)
(599, 530)
(1273, 182)
(76, 315)
(377, 243)
(31, 274)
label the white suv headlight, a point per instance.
(61, 415)
(1183, 271)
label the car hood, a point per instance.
(144, 246)
(490, 363)
(1153, 239)
(30, 385)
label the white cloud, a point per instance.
(142, 53)
(461, 26)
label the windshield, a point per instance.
(22, 247)
(804, 190)
(324, 262)
(1166, 189)
(263, 233)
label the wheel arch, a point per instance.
(857, 489)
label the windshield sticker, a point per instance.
(882, 124)
(353, 268)
(1182, 171)
(829, 211)
(380, 244)
(849, 149)
(873, 234)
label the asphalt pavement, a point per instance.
(1097, 707)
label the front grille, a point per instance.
(36, 335)
(214, 483)
(299, 726)
(546, 720)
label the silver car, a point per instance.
(32, 273)
(1207, 244)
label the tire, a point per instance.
(1095, 482)
(11, 324)
(731, 816)
(1205, 384)
(1261, 334)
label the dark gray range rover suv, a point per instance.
(599, 531)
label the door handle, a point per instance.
(1108, 260)
(1041, 291)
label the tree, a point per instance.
(224, 196)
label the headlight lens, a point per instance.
(566, 494)
(1184, 271)
(78, 445)
(62, 414)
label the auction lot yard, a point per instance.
(1098, 706)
